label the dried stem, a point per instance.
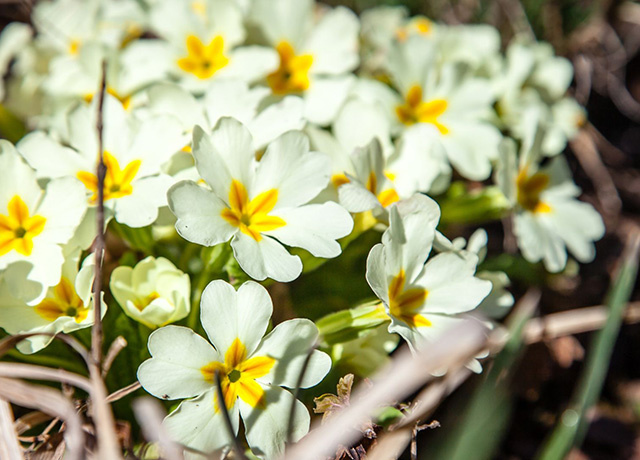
(227, 419)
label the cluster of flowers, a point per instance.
(261, 124)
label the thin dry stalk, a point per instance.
(405, 374)
(116, 347)
(49, 401)
(239, 451)
(296, 391)
(150, 414)
(122, 392)
(29, 371)
(9, 446)
(28, 421)
(108, 447)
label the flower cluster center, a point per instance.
(403, 304)
(251, 216)
(293, 74)
(17, 228)
(415, 110)
(529, 190)
(64, 302)
(202, 60)
(238, 374)
(117, 181)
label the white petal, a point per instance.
(155, 141)
(265, 259)
(199, 214)
(376, 272)
(227, 315)
(266, 429)
(289, 167)
(232, 98)
(356, 198)
(289, 344)
(324, 98)
(49, 158)
(63, 206)
(314, 227)
(276, 120)
(196, 424)
(250, 63)
(140, 208)
(174, 371)
(334, 43)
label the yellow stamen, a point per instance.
(17, 228)
(117, 181)
(339, 179)
(293, 74)
(65, 302)
(144, 302)
(124, 100)
(252, 216)
(74, 47)
(385, 197)
(529, 190)
(415, 110)
(238, 374)
(403, 304)
(202, 60)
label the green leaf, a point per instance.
(573, 423)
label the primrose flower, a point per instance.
(252, 370)
(259, 206)
(548, 217)
(316, 57)
(134, 187)
(154, 292)
(421, 299)
(201, 43)
(66, 307)
(36, 223)
(446, 97)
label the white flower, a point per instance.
(316, 58)
(66, 307)
(134, 151)
(444, 96)
(252, 370)
(421, 299)
(259, 206)
(35, 223)
(202, 39)
(548, 217)
(154, 292)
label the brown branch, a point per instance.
(108, 446)
(116, 347)
(122, 392)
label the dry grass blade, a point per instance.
(28, 421)
(29, 371)
(150, 414)
(116, 347)
(49, 401)
(405, 374)
(122, 392)
(9, 446)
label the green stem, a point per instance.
(48, 361)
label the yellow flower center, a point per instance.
(238, 374)
(74, 47)
(529, 190)
(144, 302)
(385, 197)
(420, 25)
(293, 74)
(17, 228)
(415, 110)
(252, 217)
(403, 304)
(65, 302)
(117, 181)
(203, 60)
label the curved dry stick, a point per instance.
(49, 401)
(29, 371)
(9, 446)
